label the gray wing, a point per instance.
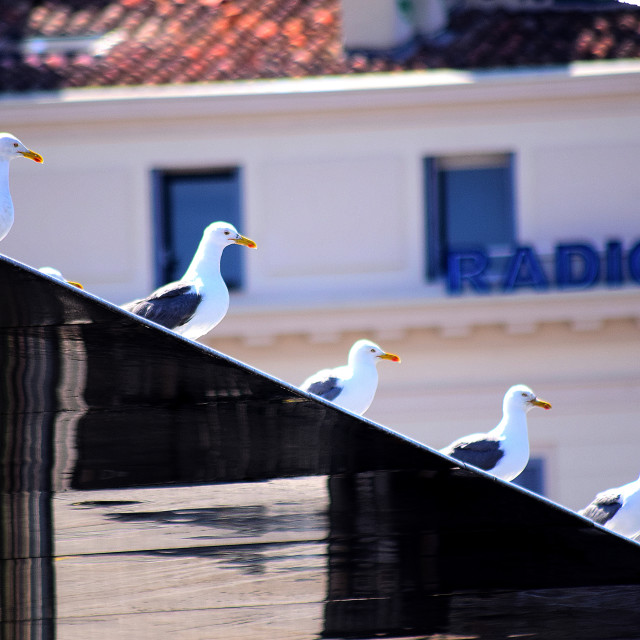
(328, 388)
(482, 452)
(604, 506)
(171, 306)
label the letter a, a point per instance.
(524, 270)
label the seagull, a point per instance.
(351, 386)
(504, 451)
(197, 302)
(617, 509)
(10, 148)
(57, 274)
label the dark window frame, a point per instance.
(163, 241)
(436, 208)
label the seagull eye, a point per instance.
(373, 350)
(226, 233)
(524, 395)
(15, 144)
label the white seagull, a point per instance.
(351, 386)
(57, 274)
(10, 148)
(197, 302)
(617, 509)
(503, 451)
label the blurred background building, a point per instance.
(457, 181)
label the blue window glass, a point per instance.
(186, 203)
(469, 207)
(532, 477)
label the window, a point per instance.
(470, 206)
(532, 477)
(186, 202)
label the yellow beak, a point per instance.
(36, 157)
(390, 356)
(246, 242)
(539, 402)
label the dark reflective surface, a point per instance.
(152, 488)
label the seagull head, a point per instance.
(224, 233)
(365, 351)
(11, 147)
(521, 397)
(56, 273)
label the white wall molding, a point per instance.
(284, 97)
(451, 317)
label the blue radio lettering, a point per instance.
(525, 270)
(634, 262)
(467, 265)
(577, 265)
(614, 262)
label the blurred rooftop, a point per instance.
(54, 44)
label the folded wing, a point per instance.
(171, 306)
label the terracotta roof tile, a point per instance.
(108, 18)
(37, 19)
(179, 41)
(264, 30)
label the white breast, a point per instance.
(358, 392)
(6, 213)
(211, 310)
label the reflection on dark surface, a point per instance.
(450, 552)
(151, 487)
(203, 419)
(30, 371)
(383, 556)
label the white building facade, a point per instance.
(336, 184)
